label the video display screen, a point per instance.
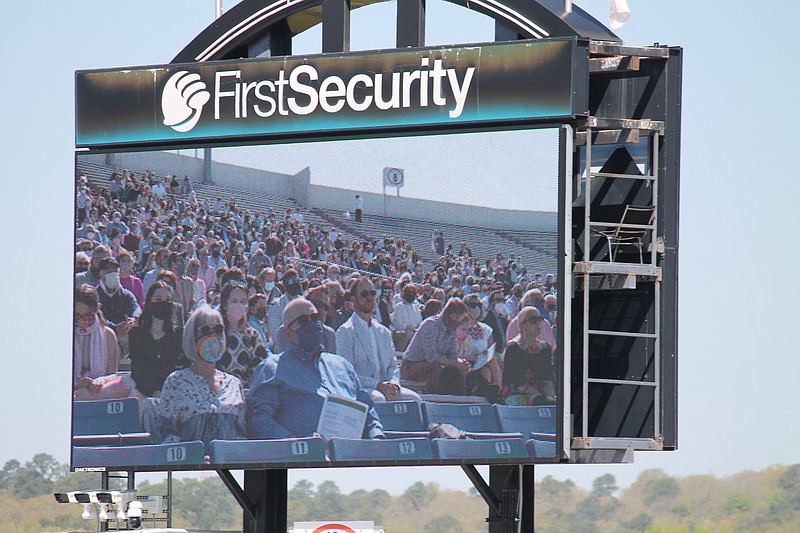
(389, 301)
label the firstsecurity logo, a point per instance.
(305, 90)
(183, 99)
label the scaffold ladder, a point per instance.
(619, 131)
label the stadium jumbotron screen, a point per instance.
(361, 302)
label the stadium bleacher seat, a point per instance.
(541, 448)
(300, 450)
(380, 450)
(182, 453)
(104, 417)
(472, 418)
(478, 421)
(509, 449)
(403, 415)
(527, 419)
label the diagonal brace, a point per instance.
(239, 494)
(483, 489)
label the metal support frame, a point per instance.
(263, 499)
(650, 270)
(335, 26)
(410, 23)
(509, 495)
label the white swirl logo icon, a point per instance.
(183, 99)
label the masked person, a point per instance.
(288, 390)
(291, 290)
(202, 402)
(155, 343)
(96, 359)
(119, 305)
(91, 276)
(257, 314)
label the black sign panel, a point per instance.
(172, 104)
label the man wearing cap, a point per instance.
(319, 297)
(291, 290)
(288, 390)
(92, 275)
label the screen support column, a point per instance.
(509, 495)
(263, 499)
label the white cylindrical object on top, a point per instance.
(618, 13)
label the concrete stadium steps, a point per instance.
(534, 251)
(538, 249)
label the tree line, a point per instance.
(766, 501)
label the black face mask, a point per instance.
(215, 253)
(161, 310)
(293, 287)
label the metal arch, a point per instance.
(530, 19)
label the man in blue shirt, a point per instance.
(287, 391)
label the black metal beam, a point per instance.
(241, 498)
(336, 26)
(276, 41)
(410, 23)
(267, 489)
(483, 489)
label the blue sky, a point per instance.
(739, 361)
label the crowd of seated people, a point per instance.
(237, 323)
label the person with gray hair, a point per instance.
(201, 402)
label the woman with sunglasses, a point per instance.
(155, 343)
(244, 347)
(529, 368)
(201, 402)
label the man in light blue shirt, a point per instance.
(287, 391)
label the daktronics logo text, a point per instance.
(302, 91)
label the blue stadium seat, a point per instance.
(403, 415)
(181, 453)
(527, 419)
(472, 418)
(301, 450)
(510, 449)
(105, 417)
(380, 450)
(541, 448)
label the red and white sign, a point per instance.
(336, 527)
